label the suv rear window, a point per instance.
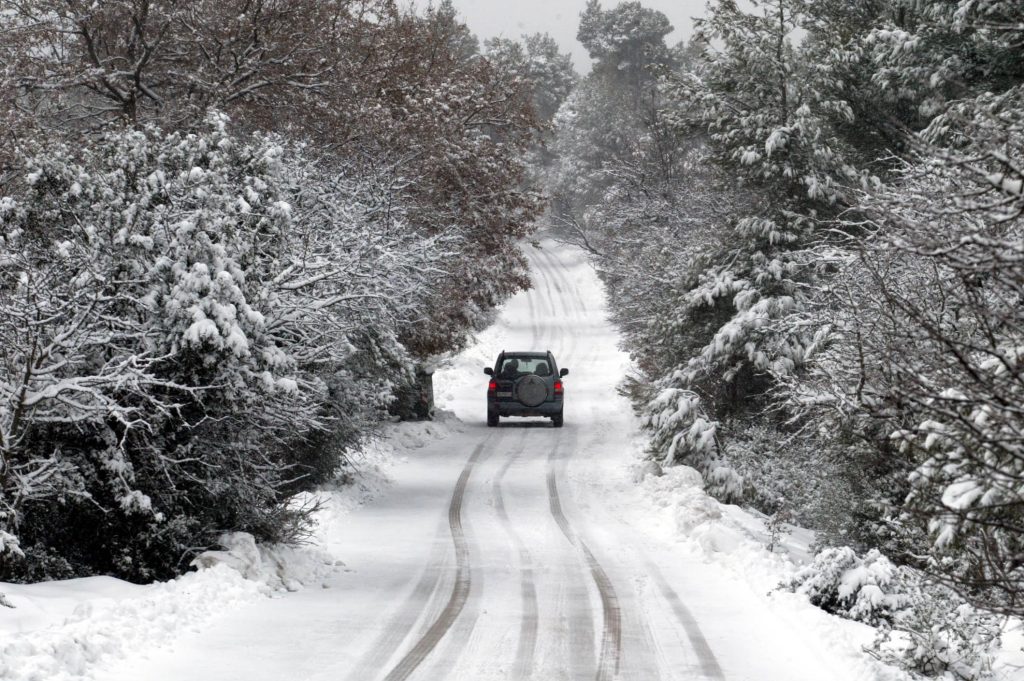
(527, 365)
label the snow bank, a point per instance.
(402, 438)
(61, 631)
(675, 506)
(276, 566)
(696, 515)
(735, 539)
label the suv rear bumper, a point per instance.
(516, 409)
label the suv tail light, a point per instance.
(558, 387)
(492, 387)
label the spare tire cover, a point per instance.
(531, 390)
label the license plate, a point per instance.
(501, 394)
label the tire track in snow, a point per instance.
(463, 580)
(559, 327)
(527, 645)
(574, 600)
(575, 311)
(710, 667)
(532, 308)
(398, 628)
(546, 267)
(559, 272)
(546, 293)
(708, 662)
(611, 635)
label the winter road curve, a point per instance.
(506, 553)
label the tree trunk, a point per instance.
(415, 402)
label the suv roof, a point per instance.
(526, 353)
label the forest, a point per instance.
(810, 222)
(231, 234)
(234, 235)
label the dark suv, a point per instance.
(525, 384)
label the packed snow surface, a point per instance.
(472, 553)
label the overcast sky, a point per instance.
(560, 18)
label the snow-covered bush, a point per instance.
(867, 589)
(816, 320)
(192, 323)
(184, 318)
(880, 324)
(938, 635)
(923, 627)
(772, 465)
(679, 429)
(700, 209)
(681, 433)
(276, 566)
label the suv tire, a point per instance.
(556, 420)
(492, 418)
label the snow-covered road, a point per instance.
(521, 552)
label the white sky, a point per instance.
(560, 18)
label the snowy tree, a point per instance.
(142, 61)
(456, 38)
(627, 42)
(808, 230)
(372, 85)
(537, 60)
(936, 346)
(458, 130)
(770, 125)
(181, 314)
(625, 187)
(611, 118)
(223, 302)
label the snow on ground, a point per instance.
(689, 571)
(674, 508)
(62, 630)
(671, 509)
